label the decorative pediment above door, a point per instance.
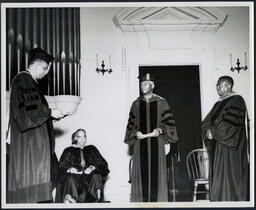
(194, 19)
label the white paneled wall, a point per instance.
(104, 109)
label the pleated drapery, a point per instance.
(57, 31)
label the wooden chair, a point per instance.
(130, 170)
(197, 165)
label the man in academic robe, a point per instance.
(32, 139)
(83, 172)
(224, 133)
(151, 126)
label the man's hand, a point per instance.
(92, 167)
(72, 170)
(140, 135)
(209, 134)
(156, 132)
(89, 170)
(57, 114)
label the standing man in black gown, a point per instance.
(224, 133)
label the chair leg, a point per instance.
(98, 195)
(195, 191)
(207, 189)
(54, 194)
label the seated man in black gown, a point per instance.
(83, 171)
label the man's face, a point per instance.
(223, 88)
(42, 68)
(146, 87)
(81, 138)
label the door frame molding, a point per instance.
(133, 59)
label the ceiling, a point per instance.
(194, 19)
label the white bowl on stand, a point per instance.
(66, 103)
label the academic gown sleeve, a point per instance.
(68, 159)
(30, 111)
(132, 127)
(206, 124)
(65, 160)
(226, 128)
(167, 123)
(93, 157)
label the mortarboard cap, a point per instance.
(38, 53)
(146, 77)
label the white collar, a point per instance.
(27, 71)
(231, 94)
(149, 97)
(76, 146)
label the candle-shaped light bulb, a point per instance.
(9, 64)
(109, 61)
(230, 55)
(245, 58)
(18, 58)
(97, 61)
(53, 72)
(26, 60)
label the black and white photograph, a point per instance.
(127, 105)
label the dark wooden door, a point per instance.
(180, 86)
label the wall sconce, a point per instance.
(238, 67)
(102, 69)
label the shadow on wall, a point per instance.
(58, 132)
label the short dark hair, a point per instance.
(40, 54)
(228, 79)
(74, 141)
(36, 60)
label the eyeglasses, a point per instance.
(221, 85)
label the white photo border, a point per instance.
(4, 125)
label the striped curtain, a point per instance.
(57, 31)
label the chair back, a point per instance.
(198, 164)
(130, 170)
